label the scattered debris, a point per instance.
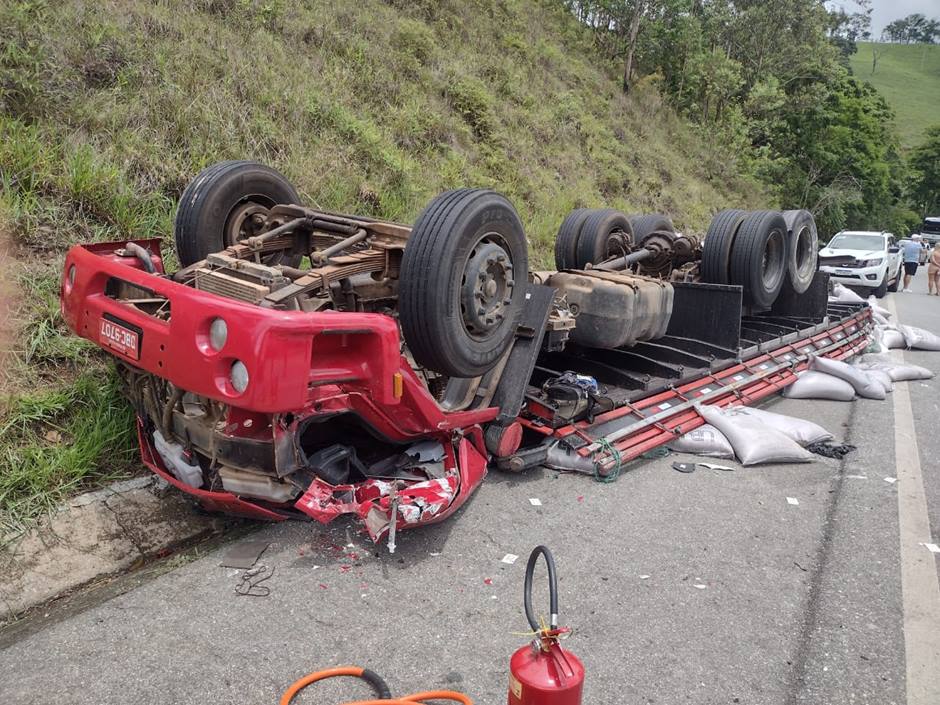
(793, 500)
(644, 577)
(713, 466)
(250, 583)
(891, 480)
(509, 558)
(535, 501)
(932, 547)
(856, 477)
(831, 449)
(244, 554)
(684, 467)
(699, 586)
(487, 581)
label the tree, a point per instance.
(925, 171)
(845, 28)
(913, 29)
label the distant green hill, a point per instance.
(908, 76)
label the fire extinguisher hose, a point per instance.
(378, 685)
(552, 587)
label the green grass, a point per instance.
(107, 110)
(908, 76)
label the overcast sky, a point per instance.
(886, 11)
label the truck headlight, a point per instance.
(871, 262)
(239, 376)
(218, 334)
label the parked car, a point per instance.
(930, 230)
(863, 259)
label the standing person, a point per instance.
(911, 250)
(933, 270)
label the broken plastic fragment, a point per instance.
(510, 558)
(535, 501)
(793, 500)
(891, 480)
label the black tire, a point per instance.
(893, 288)
(204, 216)
(759, 257)
(452, 236)
(643, 225)
(599, 236)
(566, 242)
(803, 249)
(716, 249)
(882, 289)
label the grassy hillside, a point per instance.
(908, 76)
(107, 109)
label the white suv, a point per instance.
(865, 259)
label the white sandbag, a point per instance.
(802, 431)
(882, 377)
(878, 308)
(864, 385)
(704, 440)
(755, 442)
(879, 319)
(898, 371)
(882, 358)
(877, 343)
(892, 338)
(919, 338)
(818, 385)
(845, 295)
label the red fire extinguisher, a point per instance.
(542, 673)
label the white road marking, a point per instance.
(919, 587)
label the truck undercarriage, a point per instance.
(305, 363)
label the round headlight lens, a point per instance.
(239, 376)
(71, 276)
(218, 334)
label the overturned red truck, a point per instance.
(306, 363)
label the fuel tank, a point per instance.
(614, 309)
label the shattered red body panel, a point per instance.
(346, 362)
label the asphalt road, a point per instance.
(705, 588)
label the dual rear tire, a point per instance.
(765, 252)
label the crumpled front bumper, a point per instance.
(415, 503)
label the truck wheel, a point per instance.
(759, 257)
(224, 204)
(462, 284)
(566, 242)
(605, 233)
(803, 249)
(716, 250)
(882, 289)
(643, 225)
(894, 286)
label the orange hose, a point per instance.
(451, 695)
(356, 672)
(298, 685)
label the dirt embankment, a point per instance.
(8, 303)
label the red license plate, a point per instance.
(120, 338)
